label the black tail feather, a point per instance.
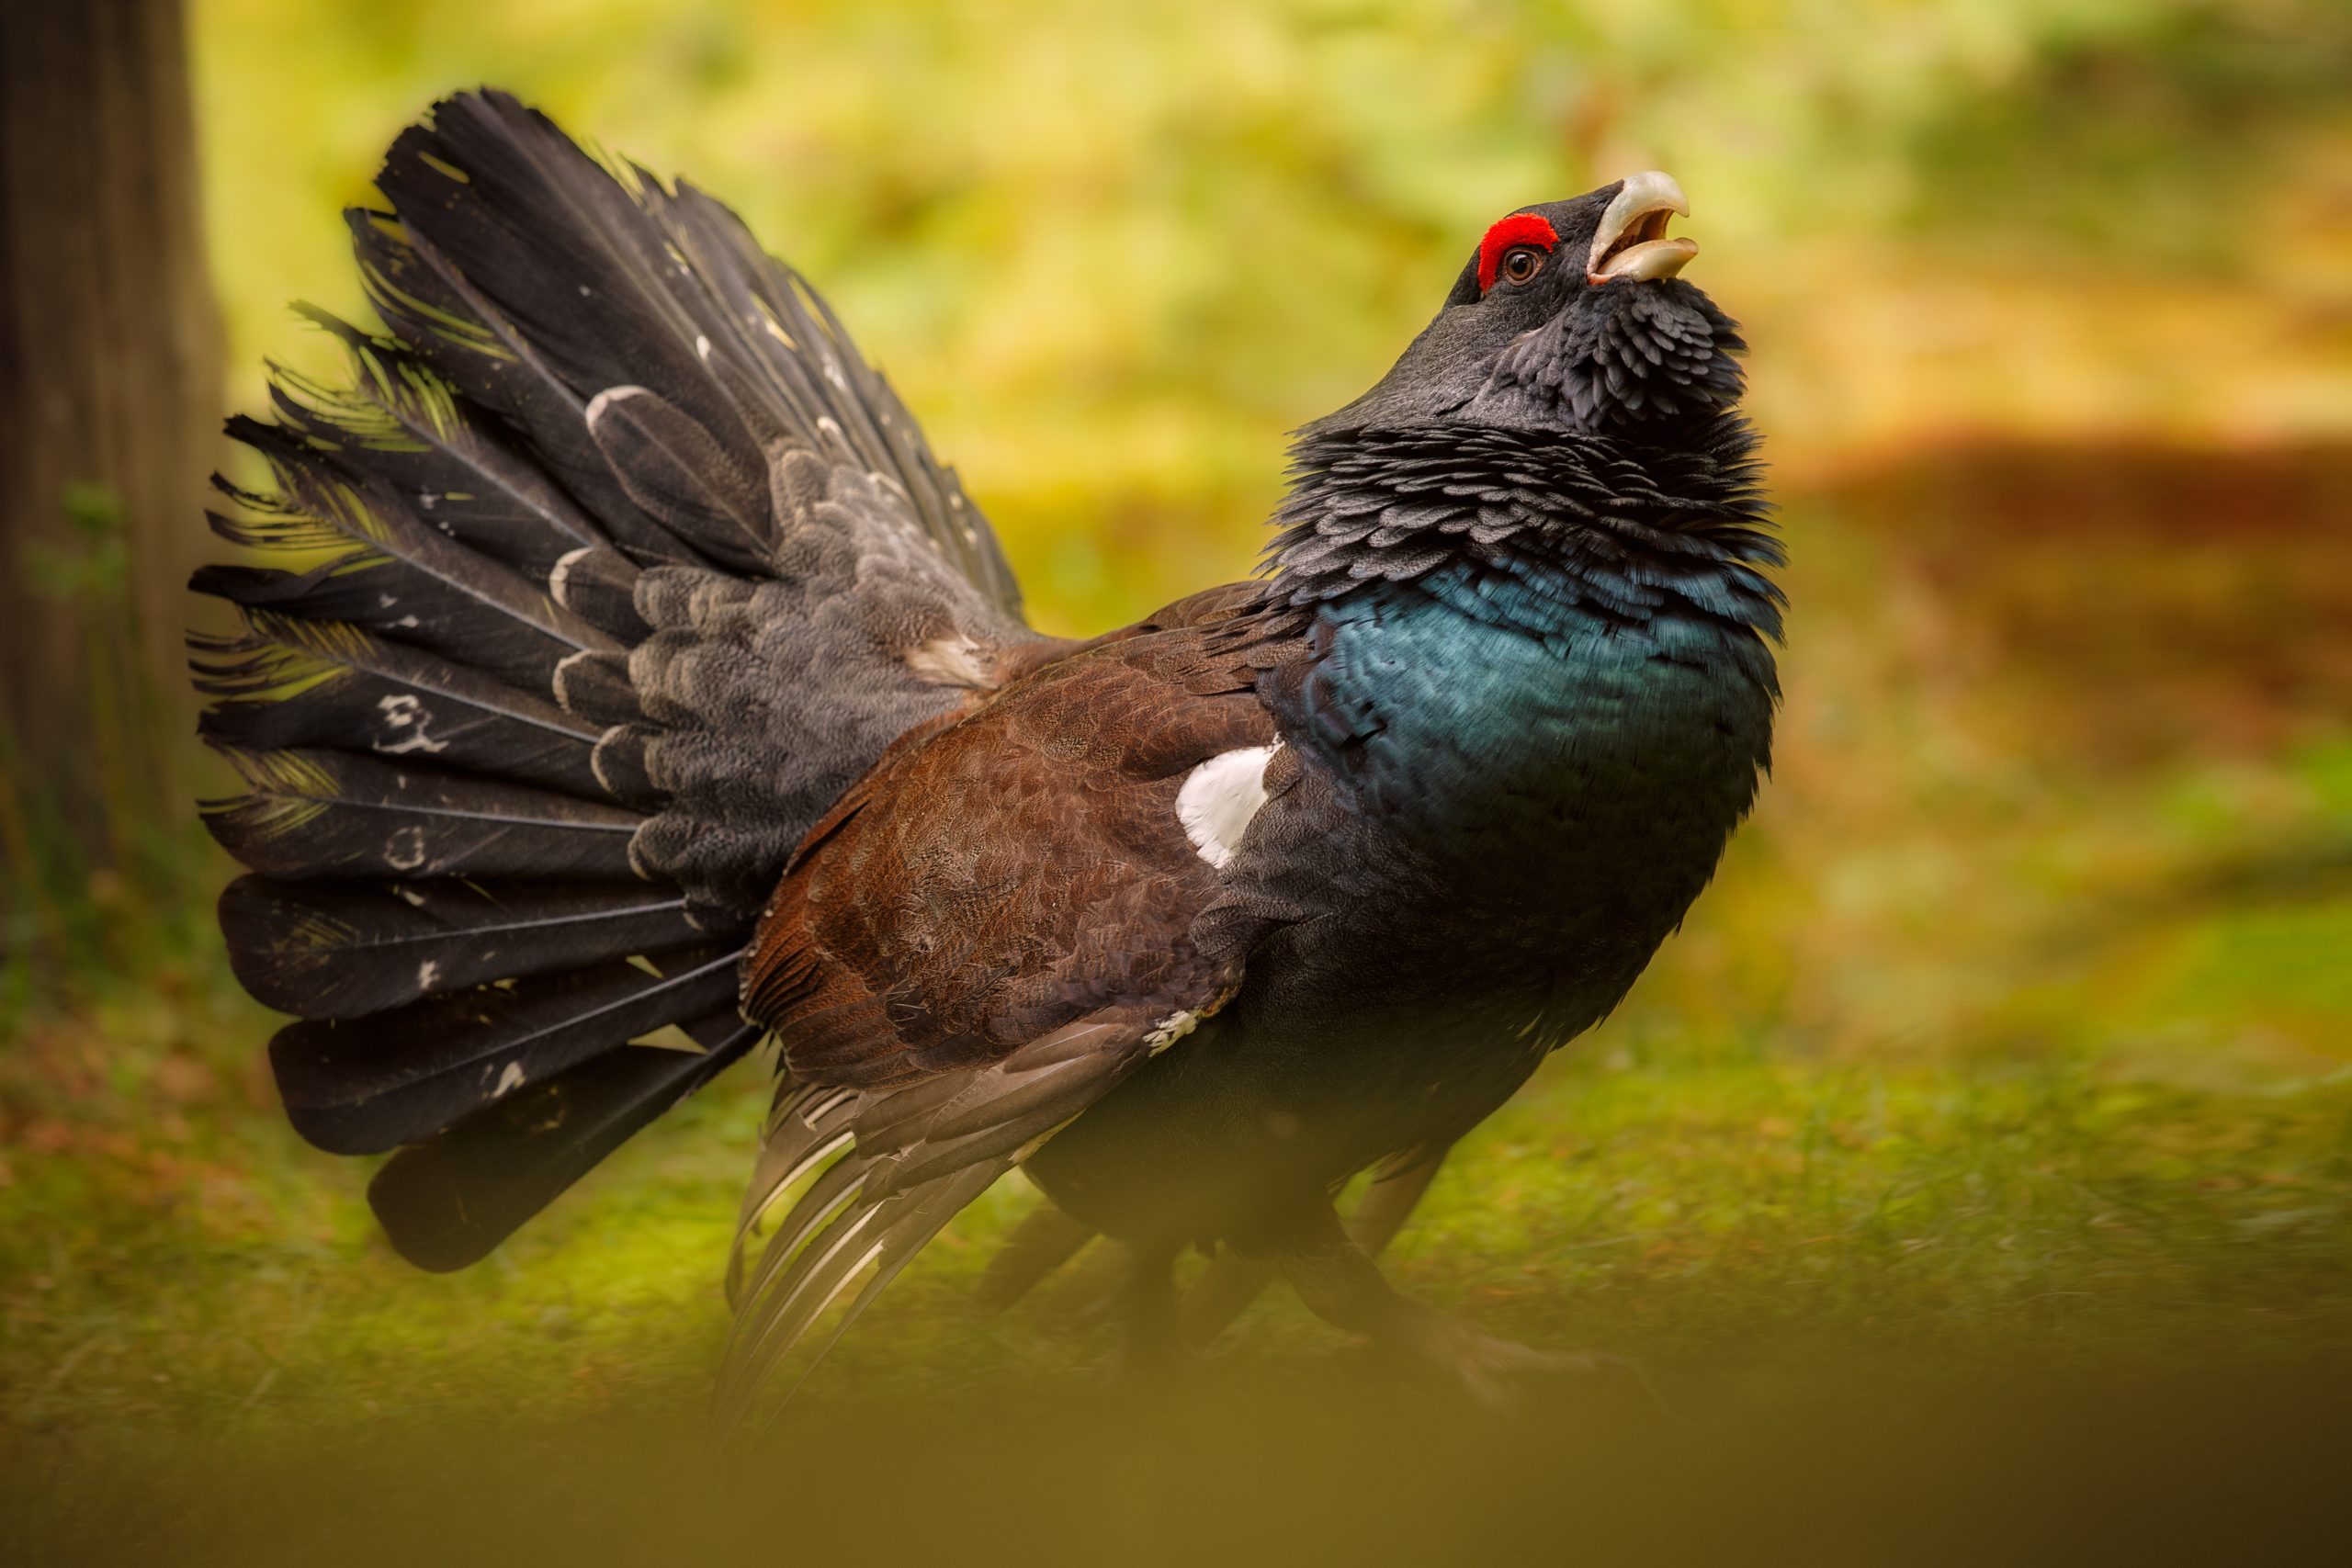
(315, 814)
(791, 334)
(503, 199)
(446, 1202)
(325, 950)
(492, 366)
(615, 521)
(673, 467)
(401, 423)
(397, 576)
(357, 693)
(363, 1086)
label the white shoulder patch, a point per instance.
(1219, 798)
(948, 661)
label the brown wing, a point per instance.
(982, 938)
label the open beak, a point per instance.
(1632, 239)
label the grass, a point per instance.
(1713, 1216)
(1857, 1294)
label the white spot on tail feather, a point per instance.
(428, 974)
(404, 851)
(561, 575)
(562, 679)
(614, 734)
(1220, 797)
(403, 711)
(508, 1081)
(605, 399)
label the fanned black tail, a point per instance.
(618, 565)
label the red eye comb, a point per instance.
(1518, 228)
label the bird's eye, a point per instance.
(1521, 263)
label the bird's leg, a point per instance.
(1390, 1201)
(1045, 1240)
(1222, 1293)
(1225, 1292)
(1151, 1337)
(1340, 1284)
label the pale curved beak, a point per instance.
(1631, 242)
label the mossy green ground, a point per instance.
(1835, 1280)
(1685, 1208)
(1692, 1209)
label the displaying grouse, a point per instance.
(651, 673)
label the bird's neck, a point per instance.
(1531, 523)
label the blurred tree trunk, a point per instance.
(109, 398)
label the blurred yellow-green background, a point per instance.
(2016, 1032)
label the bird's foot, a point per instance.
(1494, 1372)
(1147, 1365)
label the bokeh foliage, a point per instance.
(2018, 1027)
(1112, 252)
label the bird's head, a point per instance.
(1569, 316)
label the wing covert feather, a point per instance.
(942, 1006)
